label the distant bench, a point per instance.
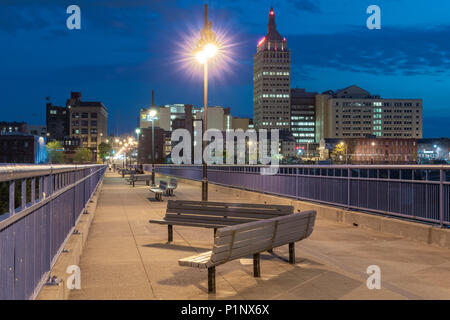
(206, 214)
(158, 191)
(127, 171)
(252, 238)
(172, 186)
(140, 177)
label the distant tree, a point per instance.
(55, 152)
(343, 152)
(82, 155)
(104, 150)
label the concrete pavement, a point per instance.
(125, 257)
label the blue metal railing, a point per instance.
(415, 192)
(45, 203)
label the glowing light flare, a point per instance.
(272, 12)
(190, 61)
(210, 50)
(260, 42)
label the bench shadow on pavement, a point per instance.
(172, 246)
(299, 282)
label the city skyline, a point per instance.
(126, 49)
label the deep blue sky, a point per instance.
(125, 48)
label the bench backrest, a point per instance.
(241, 240)
(235, 213)
(173, 182)
(163, 185)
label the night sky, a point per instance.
(126, 48)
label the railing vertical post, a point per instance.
(348, 187)
(441, 198)
(23, 194)
(12, 190)
(33, 190)
(41, 187)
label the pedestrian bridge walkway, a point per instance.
(125, 257)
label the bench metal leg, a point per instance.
(292, 253)
(147, 182)
(133, 183)
(256, 265)
(215, 231)
(212, 280)
(170, 232)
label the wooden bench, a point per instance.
(127, 171)
(252, 238)
(160, 190)
(140, 177)
(206, 214)
(172, 186)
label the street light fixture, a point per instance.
(207, 47)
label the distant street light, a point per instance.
(207, 47)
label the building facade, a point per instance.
(355, 113)
(272, 80)
(58, 127)
(303, 116)
(145, 145)
(372, 150)
(17, 147)
(9, 127)
(88, 122)
(433, 149)
(37, 130)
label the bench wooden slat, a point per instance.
(188, 224)
(205, 218)
(182, 203)
(231, 213)
(286, 219)
(242, 235)
(243, 243)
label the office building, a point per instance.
(88, 122)
(272, 80)
(355, 113)
(303, 116)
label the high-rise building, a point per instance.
(355, 113)
(272, 80)
(303, 116)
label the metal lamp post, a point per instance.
(152, 116)
(207, 48)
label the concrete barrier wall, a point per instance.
(74, 247)
(416, 231)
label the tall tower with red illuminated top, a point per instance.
(271, 80)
